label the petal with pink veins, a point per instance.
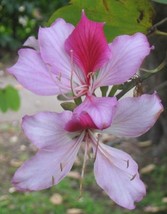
(56, 156)
(89, 45)
(33, 74)
(135, 115)
(117, 174)
(44, 128)
(127, 55)
(100, 109)
(51, 41)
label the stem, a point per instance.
(129, 85)
(154, 27)
(158, 32)
(83, 168)
(104, 90)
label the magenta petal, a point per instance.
(89, 45)
(80, 122)
(56, 155)
(100, 109)
(33, 74)
(117, 174)
(127, 55)
(135, 115)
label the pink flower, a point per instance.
(66, 58)
(59, 136)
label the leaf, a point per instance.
(9, 99)
(64, 98)
(12, 97)
(68, 106)
(121, 16)
(3, 102)
(104, 90)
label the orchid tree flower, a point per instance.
(65, 58)
(58, 137)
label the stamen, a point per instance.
(83, 168)
(72, 72)
(59, 77)
(53, 180)
(61, 167)
(127, 161)
(98, 139)
(133, 177)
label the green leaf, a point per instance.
(3, 102)
(12, 97)
(9, 99)
(104, 90)
(113, 90)
(68, 106)
(120, 16)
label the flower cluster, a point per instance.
(78, 60)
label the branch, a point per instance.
(148, 73)
(154, 27)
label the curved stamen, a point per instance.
(83, 166)
(108, 156)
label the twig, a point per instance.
(154, 27)
(129, 85)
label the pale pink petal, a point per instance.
(51, 41)
(100, 110)
(44, 128)
(32, 42)
(117, 174)
(89, 45)
(47, 167)
(127, 55)
(135, 115)
(33, 74)
(57, 151)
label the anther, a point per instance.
(53, 180)
(127, 164)
(61, 167)
(98, 139)
(133, 177)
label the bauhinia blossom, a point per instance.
(58, 136)
(65, 58)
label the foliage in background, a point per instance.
(19, 19)
(9, 99)
(121, 17)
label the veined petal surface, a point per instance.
(51, 42)
(117, 174)
(135, 115)
(89, 45)
(33, 73)
(56, 155)
(127, 55)
(44, 128)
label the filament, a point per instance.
(83, 167)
